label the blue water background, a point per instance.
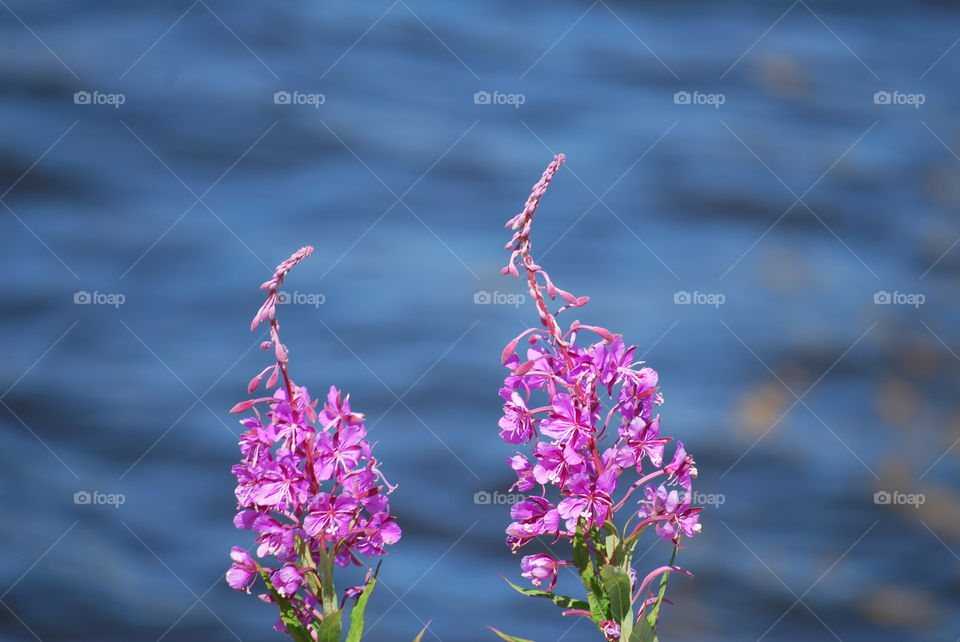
(183, 198)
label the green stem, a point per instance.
(655, 613)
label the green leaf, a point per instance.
(581, 555)
(599, 604)
(616, 583)
(626, 555)
(582, 558)
(631, 542)
(508, 638)
(328, 630)
(598, 538)
(562, 601)
(611, 528)
(303, 550)
(288, 616)
(419, 637)
(356, 614)
(643, 633)
(612, 543)
(654, 615)
(328, 589)
(597, 598)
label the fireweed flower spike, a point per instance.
(311, 490)
(586, 417)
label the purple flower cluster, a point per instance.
(308, 485)
(587, 415)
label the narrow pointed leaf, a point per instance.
(329, 629)
(311, 567)
(581, 554)
(643, 633)
(611, 543)
(562, 601)
(356, 615)
(616, 582)
(329, 592)
(599, 603)
(420, 635)
(654, 615)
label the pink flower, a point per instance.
(377, 532)
(671, 511)
(534, 517)
(342, 452)
(331, 516)
(682, 468)
(338, 409)
(567, 423)
(540, 568)
(241, 575)
(516, 425)
(610, 629)
(550, 462)
(287, 580)
(280, 485)
(589, 498)
(643, 439)
(521, 466)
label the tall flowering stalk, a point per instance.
(586, 417)
(310, 488)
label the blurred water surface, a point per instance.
(798, 199)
